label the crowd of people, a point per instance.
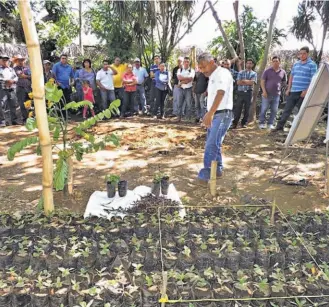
(189, 87)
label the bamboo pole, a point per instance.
(38, 88)
(213, 176)
(273, 212)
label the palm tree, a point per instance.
(308, 12)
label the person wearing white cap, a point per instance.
(8, 80)
(141, 74)
(23, 84)
(176, 88)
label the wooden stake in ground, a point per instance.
(38, 89)
(213, 177)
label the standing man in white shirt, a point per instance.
(141, 74)
(219, 114)
(185, 76)
(104, 80)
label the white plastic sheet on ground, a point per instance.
(99, 201)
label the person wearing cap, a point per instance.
(47, 73)
(141, 74)
(63, 74)
(23, 84)
(176, 88)
(117, 79)
(8, 80)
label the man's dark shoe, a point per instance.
(219, 174)
(277, 129)
(2, 124)
(16, 123)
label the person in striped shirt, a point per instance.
(300, 78)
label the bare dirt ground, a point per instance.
(250, 158)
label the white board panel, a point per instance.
(312, 107)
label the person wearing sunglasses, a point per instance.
(104, 80)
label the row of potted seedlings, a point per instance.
(120, 286)
(160, 185)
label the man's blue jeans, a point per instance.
(271, 102)
(107, 95)
(215, 137)
(141, 104)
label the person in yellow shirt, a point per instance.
(117, 79)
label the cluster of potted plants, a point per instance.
(113, 182)
(160, 184)
(65, 260)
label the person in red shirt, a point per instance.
(129, 83)
(89, 96)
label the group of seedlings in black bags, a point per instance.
(220, 253)
(160, 185)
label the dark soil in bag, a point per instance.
(21, 262)
(247, 258)
(75, 298)
(278, 259)
(38, 263)
(18, 231)
(184, 262)
(59, 297)
(110, 187)
(164, 185)
(262, 258)
(96, 301)
(150, 296)
(233, 260)
(155, 189)
(5, 299)
(122, 188)
(202, 293)
(5, 231)
(5, 260)
(293, 254)
(40, 299)
(21, 299)
(204, 260)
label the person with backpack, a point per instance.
(185, 76)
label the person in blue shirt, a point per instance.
(141, 74)
(245, 81)
(63, 74)
(153, 69)
(300, 78)
(161, 88)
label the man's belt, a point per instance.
(222, 111)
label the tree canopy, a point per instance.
(254, 35)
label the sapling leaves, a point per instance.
(60, 174)
(19, 146)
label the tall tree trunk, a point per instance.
(219, 22)
(240, 33)
(33, 47)
(324, 34)
(80, 28)
(252, 114)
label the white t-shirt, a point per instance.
(186, 73)
(105, 77)
(220, 79)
